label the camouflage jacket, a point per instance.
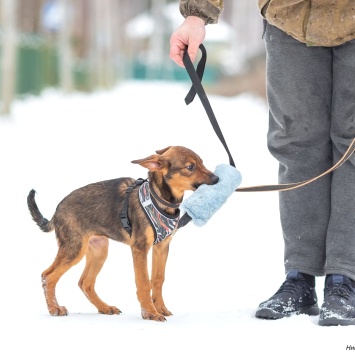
(208, 10)
(315, 22)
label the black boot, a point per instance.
(295, 296)
(338, 307)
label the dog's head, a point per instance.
(180, 168)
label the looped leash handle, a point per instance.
(199, 71)
(197, 88)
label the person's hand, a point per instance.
(190, 33)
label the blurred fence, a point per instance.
(90, 44)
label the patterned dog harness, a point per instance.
(163, 224)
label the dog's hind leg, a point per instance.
(95, 258)
(159, 258)
(51, 276)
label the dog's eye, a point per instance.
(191, 167)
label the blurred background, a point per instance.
(86, 45)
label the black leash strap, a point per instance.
(197, 88)
(184, 220)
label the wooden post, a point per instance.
(65, 48)
(8, 63)
(156, 41)
(102, 44)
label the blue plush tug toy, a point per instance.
(204, 202)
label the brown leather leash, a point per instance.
(197, 88)
(290, 186)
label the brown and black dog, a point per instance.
(86, 218)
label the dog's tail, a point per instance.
(42, 222)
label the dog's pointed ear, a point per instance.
(152, 163)
(163, 150)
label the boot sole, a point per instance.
(270, 314)
(336, 322)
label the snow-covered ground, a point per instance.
(216, 274)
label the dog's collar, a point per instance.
(161, 200)
(163, 224)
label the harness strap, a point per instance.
(196, 77)
(124, 212)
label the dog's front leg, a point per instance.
(160, 256)
(143, 284)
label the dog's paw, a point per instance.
(152, 316)
(109, 310)
(163, 310)
(58, 311)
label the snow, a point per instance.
(216, 274)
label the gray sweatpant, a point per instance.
(311, 96)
